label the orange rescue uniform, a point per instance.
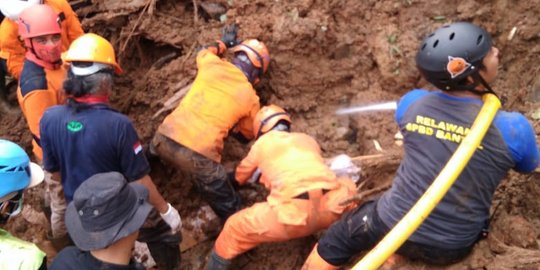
(12, 48)
(304, 194)
(39, 88)
(220, 99)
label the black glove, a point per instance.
(228, 35)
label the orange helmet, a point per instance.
(257, 53)
(38, 20)
(267, 118)
(92, 48)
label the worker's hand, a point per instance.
(228, 35)
(172, 218)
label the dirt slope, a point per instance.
(325, 55)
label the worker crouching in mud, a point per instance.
(222, 101)
(304, 197)
(460, 60)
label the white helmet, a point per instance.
(12, 8)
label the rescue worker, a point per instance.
(460, 60)
(304, 193)
(17, 173)
(222, 101)
(12, 50)
(40, 87)
(104, 240)
(86, 136)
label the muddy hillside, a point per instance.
(326, 55)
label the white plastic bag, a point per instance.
(342, 165)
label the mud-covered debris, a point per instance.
(113, 5)
(536, 115)
(142, 255)
(213, 10)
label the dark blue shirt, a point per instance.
(93, 140)
(72, 258)
(433, 124)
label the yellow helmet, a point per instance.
(267, 118)
(92, 48)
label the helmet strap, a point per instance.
(478, 79)
(266, 120)
(252, 73)
(259, 58)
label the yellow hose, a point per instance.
(433, 195)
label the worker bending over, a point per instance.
(304, 197)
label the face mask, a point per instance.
(48, 52)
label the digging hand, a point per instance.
(172, 217)
(229, 35)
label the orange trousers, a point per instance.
(260, 223)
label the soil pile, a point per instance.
(326, 55)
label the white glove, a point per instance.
(172, 218)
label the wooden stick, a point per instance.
(364, 195)
(135, 26)
(366, 157)
(173, 101)
(195, 12)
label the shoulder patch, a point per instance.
(33, 77)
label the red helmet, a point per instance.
(38, 20)
(267, 118)
(257, 53)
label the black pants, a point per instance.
(361, 229)
(208, 176)
(3, 73)
(164, 246)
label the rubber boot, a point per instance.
(216, 262)
(163, 246)
(167, 257)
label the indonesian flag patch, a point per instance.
(137, 148)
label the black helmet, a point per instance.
(452, 53)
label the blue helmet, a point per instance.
(14, 168)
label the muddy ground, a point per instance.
(325, 55)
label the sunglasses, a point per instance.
(11, 207)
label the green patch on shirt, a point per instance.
(74, 126)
